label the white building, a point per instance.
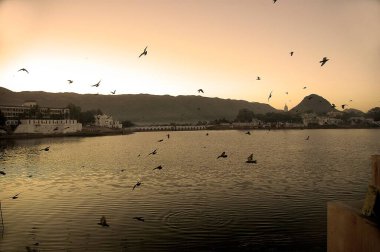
(314, 119)
(47, 126)
(107, 121)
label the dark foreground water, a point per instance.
(195, 203)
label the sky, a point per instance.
(220, 46)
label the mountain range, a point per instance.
(149, 109)
(141, 108)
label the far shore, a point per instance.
(99, 131)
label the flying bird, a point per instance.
(153, 152)
(223, 155)
(304, 87)
(136, 185)
(160, 140)
(344, 105)
(274, 1)
(307, 138)
(158, 168)
(97, 84)
(258, 78)
(333, 105)
(291, 53)
(103, 222)
(168, 135)
(2, 173)
(270, 95)
(45, 149)
(250, 159)
(248, 133)
(286, 93)
(323, 61)
(113, 92)
(139, 218)
(200, 91)
(23, 69)
(15, 196)
(144, 52)
(55, 129)
(70, 81)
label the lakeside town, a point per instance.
(30, 119)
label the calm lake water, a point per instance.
(195, 203)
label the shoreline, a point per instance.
(95, 132)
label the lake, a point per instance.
(196, 202)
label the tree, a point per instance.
(245, 115)
(2, 119)
(75, 111)
(87, 117)
(374, 113)
(127, 124)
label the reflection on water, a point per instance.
(195, 202)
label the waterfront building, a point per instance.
(31, 110)
(30, 118)
(107, 122)
(47, 126)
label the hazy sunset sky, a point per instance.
(220, 46)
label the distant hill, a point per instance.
(353, 111)
(314, 103)
(142, 108)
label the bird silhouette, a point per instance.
(291, 53)
(45, 149)
(139, 218)
(55, 129)
(286, 93)
(258, 78)
(15, 196)
(97, 84)
(223, 155)
(158, 168)
(136, 185)
(250, 159)
(274, 1)
(70, 81)
(168, 135)
(333, 105)
(113, 92)
(144, 52)
(304, 87)
(2, 173)
(270, 95)
(160, 140)
(206, 134)
(200, 90)
(323, 61)
(23, 69)
(307, 138)
(248, 133)
(153, 152)
(103, 222)
(344, 105)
